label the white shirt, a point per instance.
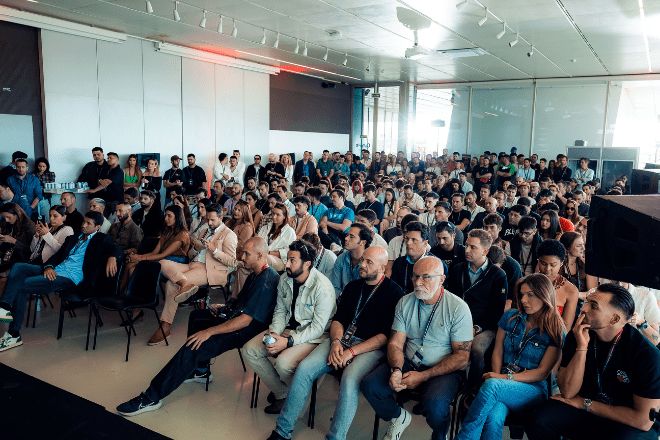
(646, 305)
(288, 174)
(397, 247)
(282, 242)
(473, 213)
(201, 256)
(237, 174)
(220, 169)
(379, 241)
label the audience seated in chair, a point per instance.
(48, 239)
(357, 334)
(301, 321)
(124, 232)
(149, 217)
(325, 260)
(75, 263)
(347, 266)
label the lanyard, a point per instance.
(523, 342)
(607, 360)
(529, 257)
(320, 257)
(358, 311)
(428, 323)
(577, 273)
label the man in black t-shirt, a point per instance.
(609, 377)
(210, 335)
(459, 216)
(448, 249)
(358, 331)
(194, 176)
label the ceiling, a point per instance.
(571, 38)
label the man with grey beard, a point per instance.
(428, 350)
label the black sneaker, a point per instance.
(198, 376)
(271, 397)
(275, 407)
(275, 436)
(138, 405)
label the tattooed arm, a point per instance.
(454, 362)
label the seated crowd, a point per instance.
(432, 275)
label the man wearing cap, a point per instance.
(173, 176)
(504, 170)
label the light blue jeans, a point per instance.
(496, 398)
(43, 208)
(311, 368)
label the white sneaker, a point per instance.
(5, 315)
(398, 425)
(8, 341)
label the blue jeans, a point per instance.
(496, 398)
(437, 395)
(311, 368)
(25, 279)
(480, 345)
(43, 208)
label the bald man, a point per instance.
(490, 207)
(274, 169)
(215, 331)
(358, 331)
(428, 350)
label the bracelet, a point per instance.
(335, 340)
(351, 350)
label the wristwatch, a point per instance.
(393, 369)
(289, 342)
(587, 404)
(643, 326)
(477, 329)
(509, 376)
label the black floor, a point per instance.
(33, 409)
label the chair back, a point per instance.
(103, 285)
(143, 286)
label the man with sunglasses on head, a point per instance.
(428, 351)
(255, 170)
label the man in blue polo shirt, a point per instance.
(334, 225)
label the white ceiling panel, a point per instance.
(608, 37)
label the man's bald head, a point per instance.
(254, 254)
(258, 245)
(374, 262)
(430, 266)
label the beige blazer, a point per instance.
(217, 264)
(307, 224)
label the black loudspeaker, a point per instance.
(645, 181)
(623, 239)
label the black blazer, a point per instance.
(250, 172)
(298, 171)
(99, 249)
(153, 223)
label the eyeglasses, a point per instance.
(425, 278)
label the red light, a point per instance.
(293, 69)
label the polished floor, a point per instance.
(104, 377)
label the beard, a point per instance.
(368, 276)
(422, 294)
(293, 274)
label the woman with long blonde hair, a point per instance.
(288, 169)
(152, 179)
(527, 347)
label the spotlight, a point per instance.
(220, 25)
(325, 57)
(202, 23)
(531, 52)
(263, 39)
(461, 5)
(234, 31)
(305, 50)
(297, 49)
(369, 66)
(345, 60)
(501, 34)
(514, 42)
(150, 9)
(483, 20)
(277, 41)
(177, 17)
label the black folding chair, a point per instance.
(142, 292)
(36, 298)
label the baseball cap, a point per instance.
(175, 157)
(546, 193)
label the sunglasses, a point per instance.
(570, 209)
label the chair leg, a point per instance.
(89, 325)
(242, 361)
(160, 325)
(254, 387)
(29, 303)
(130, 328)
(49, 301)
(34, 316)
(256, 393)
(312, 405)
(96, 328)
(376, 426)
(61, 322)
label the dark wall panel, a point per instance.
(20, 79)
(300, 103)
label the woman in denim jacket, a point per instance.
(527, 347)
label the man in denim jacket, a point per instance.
(301, 320)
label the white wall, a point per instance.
(128, 98)
(297, 142)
